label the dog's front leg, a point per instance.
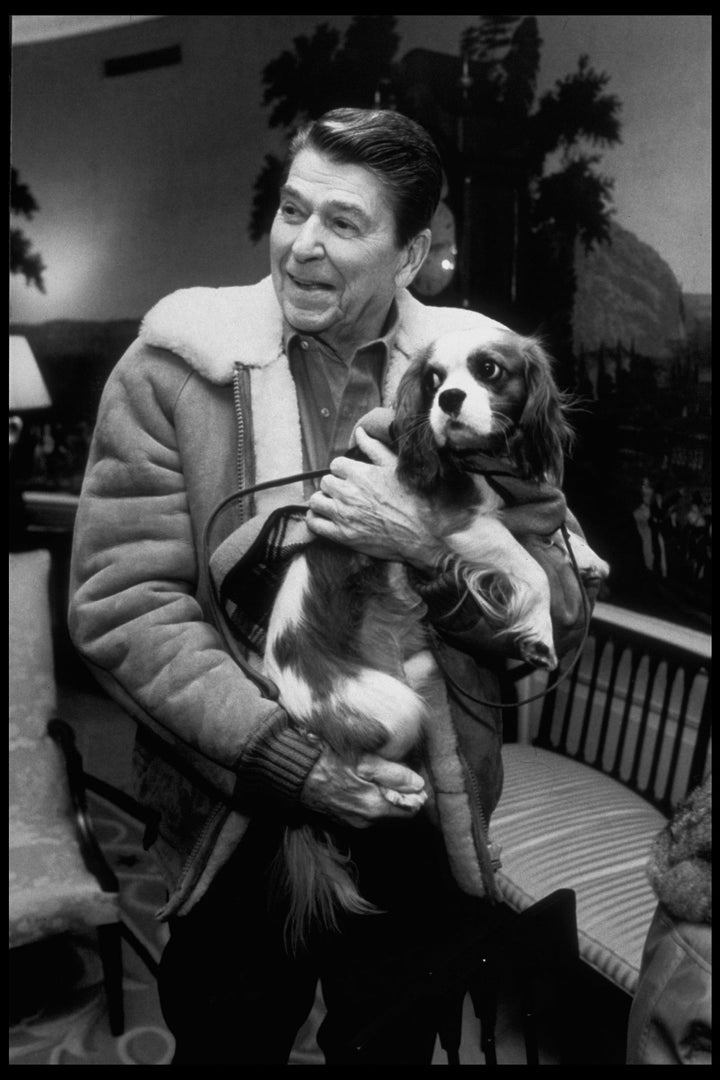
(589, 564)
(509, 586)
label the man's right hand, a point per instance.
(372, 790)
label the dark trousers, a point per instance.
(232, 995)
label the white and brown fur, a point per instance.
(346, 645)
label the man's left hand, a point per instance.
(365, 507)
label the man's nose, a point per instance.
(307, 243)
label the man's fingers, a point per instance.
(389, 774)
(330, 485)
(322, 504)
(377, 451)
(412, 801)
(379, 454)
(321, 525)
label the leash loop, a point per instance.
(432, 633)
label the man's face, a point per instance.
(335, 262)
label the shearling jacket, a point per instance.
(200, 406)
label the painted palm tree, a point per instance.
(321, 72)
(23, 259)
(522, 172)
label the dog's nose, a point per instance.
(450, 401)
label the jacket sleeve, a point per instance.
(134, 613)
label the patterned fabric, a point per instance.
(248, 568)
(564, 824)
(51, 891)
(63, 1020)
(50, 888)
(32, 679)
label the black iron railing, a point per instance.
(636, 707)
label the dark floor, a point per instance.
(579, 1017)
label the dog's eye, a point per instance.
(489, 370)
(434, 379)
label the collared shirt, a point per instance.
(334, 394)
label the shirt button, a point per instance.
(304, 344)
(325, 412)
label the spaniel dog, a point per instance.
(347, 646)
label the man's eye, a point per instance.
(489, 370)
(289, 211)
(343, 226)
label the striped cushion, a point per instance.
(562, 824)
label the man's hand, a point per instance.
(365, 507)
(360, 796)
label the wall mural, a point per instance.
(525, 233)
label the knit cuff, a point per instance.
(274, 769)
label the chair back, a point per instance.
(33, 698)
(37, 783)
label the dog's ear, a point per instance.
(419, 465)
(544, 434)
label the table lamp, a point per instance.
(27, 386)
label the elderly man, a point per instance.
(223, 390)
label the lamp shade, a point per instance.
(27, 386)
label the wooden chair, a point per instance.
(60, 882)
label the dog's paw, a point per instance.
(538, 654)
(589, 564)
(595, 573)
(405, 800)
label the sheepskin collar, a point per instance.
(213, 329)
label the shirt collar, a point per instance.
(292, 337)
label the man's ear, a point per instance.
(415, 255)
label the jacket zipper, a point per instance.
(488, 850)
(240, 464)
(182, 890)
(241, 473)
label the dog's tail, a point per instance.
(319, 883)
